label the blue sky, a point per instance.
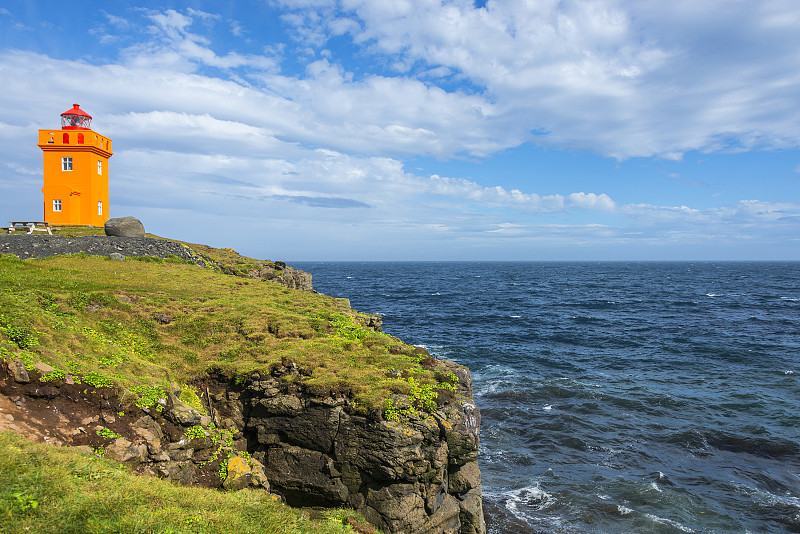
(424, 129)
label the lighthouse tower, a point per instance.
(75, 171)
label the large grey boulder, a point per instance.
(181, 413)
(16, 368)
(124, 227)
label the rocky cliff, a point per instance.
(418, 476)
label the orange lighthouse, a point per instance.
(75, 171)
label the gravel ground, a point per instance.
(42, 246)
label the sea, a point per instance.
(616, 397)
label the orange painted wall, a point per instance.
(80, 189)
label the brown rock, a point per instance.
(43, 368)
(16, 369)
(123, 450)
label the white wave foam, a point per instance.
(532, 498)
(788, 372)
(712, 295)
(790, 299)
(624, 510)
(654, 486)
(670, 522)
(515, 316)
(765, 497)
(547, 407)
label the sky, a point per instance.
(424, 129)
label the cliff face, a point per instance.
(418, 477)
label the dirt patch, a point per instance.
(60, 413)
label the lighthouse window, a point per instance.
(80, 138)
(66, 139)
(56, 205)
(66, 164)
(99, 207)
(99, 167)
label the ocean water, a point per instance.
(616, 397)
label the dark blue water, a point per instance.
(616, 397)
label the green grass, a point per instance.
(50, 490)
(95, 318)
(78, 231)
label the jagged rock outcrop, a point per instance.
(418, 477)
(295, 279)
(284, 275)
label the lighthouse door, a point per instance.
(74, 214)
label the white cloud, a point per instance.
(210, 131)
(620, 78)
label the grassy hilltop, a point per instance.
(143, 325)
(146, 323)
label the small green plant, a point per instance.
(148, 395)
(110, 361)
(56, 374)
(21, 335)
(79, 300)
(48, 302)
(347, 329)
(24, 501)
(223, 470)
(189, 396)
(390, 411)
(107, 433)
(97, 380)
(196, 432)
(223, 441)
(423, 396)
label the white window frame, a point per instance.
(66, 164)
(56, 204)
(99, 207)
(99, 166)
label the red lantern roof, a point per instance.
(75, 119)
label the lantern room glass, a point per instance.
(76, 121)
